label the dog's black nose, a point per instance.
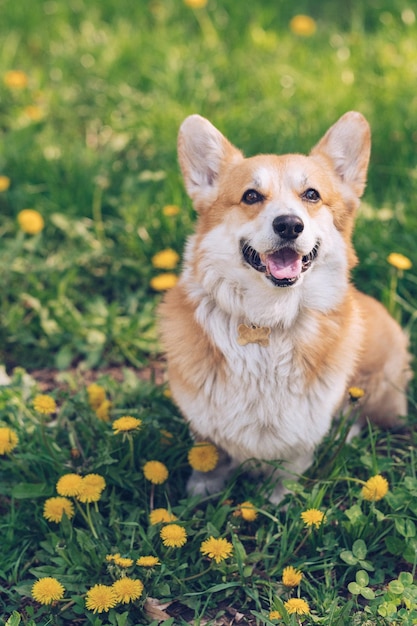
(288, 226)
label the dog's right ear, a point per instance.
(202, 152)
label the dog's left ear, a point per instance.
(203, 152)
(347, 144)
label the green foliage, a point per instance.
(372, 575)
(90, 143)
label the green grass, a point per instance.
(110, 83)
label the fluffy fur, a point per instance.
(272, 248)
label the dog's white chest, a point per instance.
(261, 406)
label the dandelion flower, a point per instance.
(96, 395)
(91, 487)
(30, 221)
(47, 590)
(203, 457)
(161, 516)
(122, 561)
(34, 112)
(15, 79)
(298, 606)
(165, 259)
(275, 615)
(69, 485)
(291, 577)
(355, 393)
(54, 509)
(303, 25)
(375, 488)
(195, 4)
(148, 561)
(100, 598)
(162, 282)
(170, 210)
(126, 424)
(156, 472)
(102, 412)
(399, 261)
(44, 404)
(248, 511)
(216, 549)
(127, 589)
(8, 440)
(173, 536)
(313, 517)
(4, 183)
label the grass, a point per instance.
(89, 143)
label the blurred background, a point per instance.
(91, 96)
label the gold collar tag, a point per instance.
(253, 334)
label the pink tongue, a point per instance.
(285, 263)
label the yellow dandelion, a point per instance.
(54, 509)
(162, 282)
(69, 485)
(96, 395)
(100, 598)
(303, 25)
(34, 112)
(44, 404)
(248, 511)
(170, 210)
(111, 557)
(161, 516)
(313, 517)
(156, 472)
(375, 488)
(216, 549)
(30, 221)
(126, 424)
(102, 412)
(173, 536)
(47, 590)
(4, 183)
(298, 606)
(122, 561)
(291, 577)
(355, 393)
(165, 259)
(148, 561)
(275, 615)
(127, 589)
(195, 4)
(8, 440)
(15, 79)
(91, 488)
(203, 457)
(399, 261)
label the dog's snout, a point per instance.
(288, 226)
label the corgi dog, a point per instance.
(264, 332)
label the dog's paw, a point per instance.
(278, 494)
(203, 484)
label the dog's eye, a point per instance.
(251, 196)
(311, 195)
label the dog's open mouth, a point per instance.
(283, 267)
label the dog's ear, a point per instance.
(202, 152)
(348, 146)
